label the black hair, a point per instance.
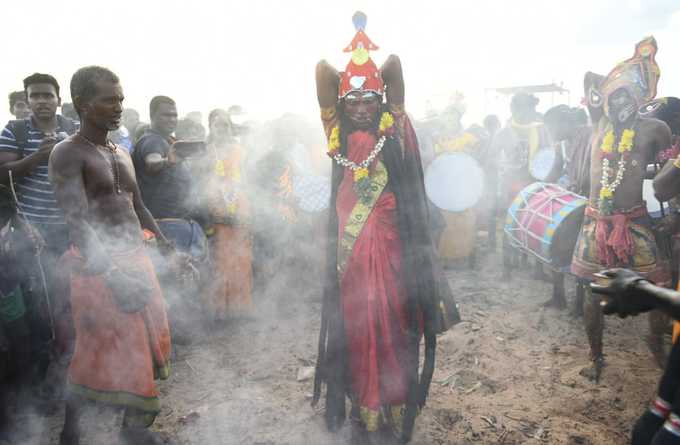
(523, 101)
(84, 83)
(557, 113)
(14, 97)
(157, 101)
(41, 78)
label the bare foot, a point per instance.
(69, 438)
(555, 303)
(594, 371)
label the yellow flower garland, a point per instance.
(334, 140)
(627, 138)
(608, 142)
(386, 123)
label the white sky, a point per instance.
(261, 54)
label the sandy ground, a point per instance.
(508, 374)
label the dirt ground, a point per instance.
(508, 374)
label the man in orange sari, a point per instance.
(380, 287)
(122, 335)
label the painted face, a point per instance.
(362, 109)
(622, 106)
(165, 119)
(43, 100)
(105, 109)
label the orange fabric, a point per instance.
(117, 352)
(232, 257)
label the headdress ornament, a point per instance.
(361, 74)
(639, 75)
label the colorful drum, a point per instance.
(544, 220)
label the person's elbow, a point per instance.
(662, 191)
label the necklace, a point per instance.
(111, 147)
(360, 170)
(608, 153)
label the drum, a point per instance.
(542, 163)
(544, 220)
(312, 193)
(654, 206)
(454, 182)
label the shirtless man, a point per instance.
(616, 230)
(115, 294)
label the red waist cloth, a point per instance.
(614, 241)
(373, 295)
(117, 354)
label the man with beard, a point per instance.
(122, 335)
(616, 230)
(379, 292)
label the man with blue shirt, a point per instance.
(25, 146)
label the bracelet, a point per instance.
(676, 163)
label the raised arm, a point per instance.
(327, 84)
(394, 80)
(65, 172)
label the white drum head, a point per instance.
(312, 193)
(454, 182)
(542, 163)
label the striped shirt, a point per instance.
(34, 191)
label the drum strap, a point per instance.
(359, 214)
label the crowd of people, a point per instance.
(120, 238)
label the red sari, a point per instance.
(373, 297)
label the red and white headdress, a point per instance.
(361, 74)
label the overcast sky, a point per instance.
(261, 54)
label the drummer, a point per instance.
(521, 138)
(616, 230)
(457, 241)
(569, 128)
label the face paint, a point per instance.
(621, 106)
(362, 109)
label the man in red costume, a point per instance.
(380, 289)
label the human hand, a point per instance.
(182, 264)
(45, 147)
(668, 225)
(172, 157)
(621, 296)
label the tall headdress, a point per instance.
(639, 75)
(361, 74)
